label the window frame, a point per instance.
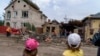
(15, 14)
(8, 14)
(25, 14)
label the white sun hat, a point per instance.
(74, 39)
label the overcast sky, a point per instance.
(57, 9)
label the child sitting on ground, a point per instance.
(31, 47)
(74, 43)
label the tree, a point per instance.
(29, 26)
(1, 23)
(75, 23)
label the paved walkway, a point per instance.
(9, 47)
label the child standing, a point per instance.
(31, 47)
(74, 43)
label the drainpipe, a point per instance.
(89, 26)
(99, 28)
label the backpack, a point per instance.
(96, 39)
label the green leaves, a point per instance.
(1, 23)
(30, 26)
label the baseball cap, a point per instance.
(74, 39)
(31, 44)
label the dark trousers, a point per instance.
(98, 53)
(8, 34)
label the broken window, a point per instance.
(24, 5)
(91, 31)
(8, 14)
(22, 24)
(18, 1)
(48, 29)
(15, 13)
(53, 29)
(25, 14)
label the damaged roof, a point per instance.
(28, 2)
(93, 16)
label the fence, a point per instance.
(3, 30)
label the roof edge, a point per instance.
(9, 4)
(27, 1)
(32, 4)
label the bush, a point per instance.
(1, 23)
(33, 28)
(29, 26)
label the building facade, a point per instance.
(91, 25)
(52, 28)
(24, 11)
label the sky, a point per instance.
(59, 9)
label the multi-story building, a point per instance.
(91, 25)
(24, 11)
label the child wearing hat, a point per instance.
(31, 46)
(73, 43)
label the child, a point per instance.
(31, 47)
(73, 42)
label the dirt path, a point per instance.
(8, 47)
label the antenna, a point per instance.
(65, 18)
